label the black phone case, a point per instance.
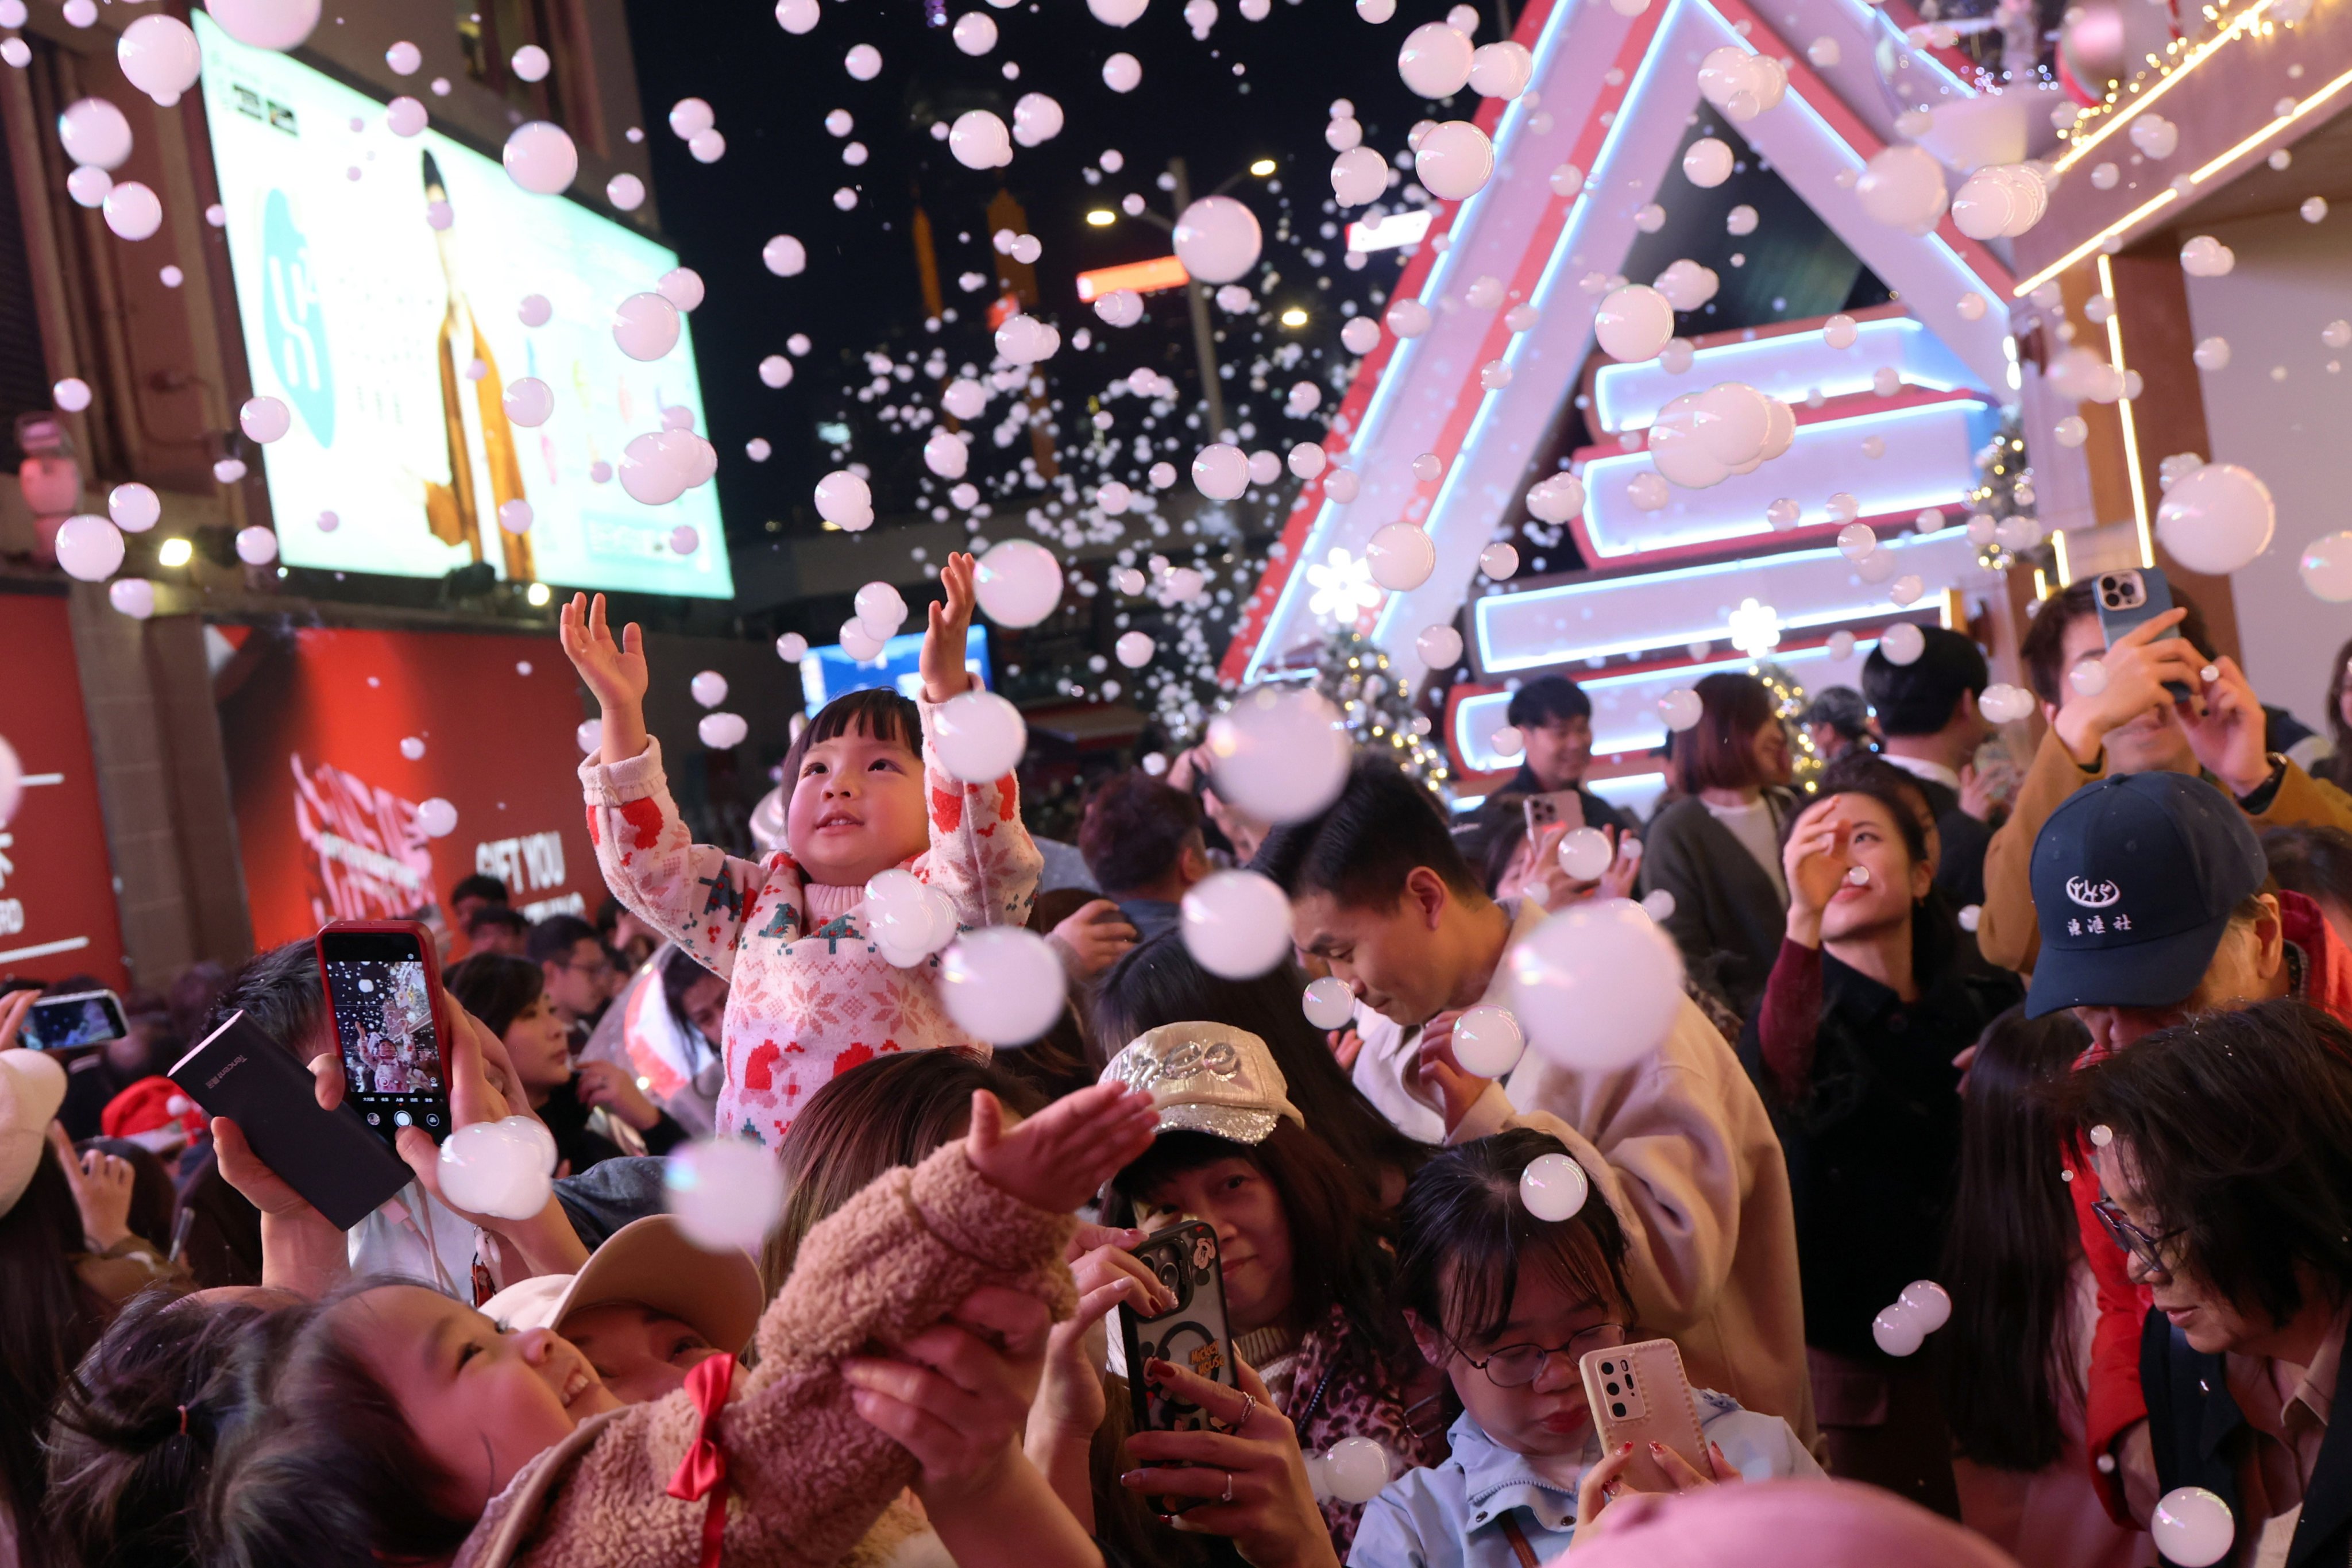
(1193, 1334)
(341, 1168)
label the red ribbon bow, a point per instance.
(703, 1472)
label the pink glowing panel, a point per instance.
(1929, 460)
(1667, 610)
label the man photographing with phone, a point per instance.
(2122, 719)
(1554, 718)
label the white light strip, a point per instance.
(1787, 365)
(1807, 588)
(2082, 146)
(43, 950)
(1389, 232)
(1624, 707)
(2124, 410)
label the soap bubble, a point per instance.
(496, 1169)
(534, 311)
(1236, 924)
(726, 1194)
(1929, 1303)
(88, 185)
(1499, 560)
(1706, 162)
(2089, 677)
(682, 287)
(690, 116)
(1401, 557)
(792, 647)
(133, 597)
(2327, 567)
(403, 57)
(1121, 72)
(94, 133)
(88, 547)
(412, 747)
(1217, 239)
(1554, 1187)
(2216, 518)
(266, 24)
(1897, 1331)
(1018, 583)
(1279, 756)
(1037, 119)
(1219, 472)
(2004, 704)
(1359, 175)
(1501, 69)
(1001, 984)
(1903, 643)
(2192, 1527)
(1455, 161)
(1024, 340)
(1508, 741)
(539, 157)
(1328, 1002)
(843, 499)
(266, 420)
(1597, 986)
(864, 62)
(1356, 1469)
(978, 139)
(515, 515)
(981, 736)
(588, 734)
(945, 454)
(1633, 323)
(1307, 459)
(785, 256)
(1440, 647)
(1681, 709)
(530, 62)
(722, 731)
(798, 17)
(437, 817)
(1659, 904)
(710, 687)
(1134, 650)
(1585, 853)
(776, 371)
(1407, 317)
(1903, 187)
(71, 394)
(1116, 13)
(2155, 136)
(133, 507)
(1119, 308)
(646, 326)
(529, 401)
(132, 211)
(1435, 60)
(975, 32)
(1487, 1041)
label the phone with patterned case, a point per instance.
(1193, 1334)
(1639, 1394)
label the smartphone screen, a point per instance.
(381, 993)
(69, 1021)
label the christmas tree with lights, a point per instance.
(1376, 703)
(2004, 493)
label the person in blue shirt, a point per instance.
(1506, 1304)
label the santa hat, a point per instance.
(148, 1106)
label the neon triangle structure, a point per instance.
(1614, 95)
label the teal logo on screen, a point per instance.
(293, 327)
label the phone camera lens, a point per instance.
(1614, 1389)
(1617, 1409)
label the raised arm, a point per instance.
(980, 856)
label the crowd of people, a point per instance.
(2070, 1037)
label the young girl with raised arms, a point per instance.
(809, 995)
(404, 1427)
(1506, 1304)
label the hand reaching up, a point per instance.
(944, 675)
(614, 670)
(1059, 1157)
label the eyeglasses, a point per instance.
(1516, 1366)
(600, 968)
(2149, 1249)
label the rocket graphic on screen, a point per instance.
(454, 512)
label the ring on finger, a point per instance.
(1229, 1487)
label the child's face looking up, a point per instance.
(1547, 1418)
(856, 809)
(480, 1403)
(637, 1352)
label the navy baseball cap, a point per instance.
(2133, 881)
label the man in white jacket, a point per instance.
(1379, 893)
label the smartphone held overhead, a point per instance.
(384, 991)
(73, 1021)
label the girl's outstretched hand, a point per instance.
(1059, 1157)
(944, 675)
(613, 670)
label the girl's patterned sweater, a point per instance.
(809, 996)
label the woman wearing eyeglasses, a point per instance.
(1506, 1304)
(2223, 1153)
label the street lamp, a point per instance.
(1102, 217)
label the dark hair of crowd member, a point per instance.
(1719, 751)
(1161, 982)
(1133, 830)
(495, 987)
(52, 1318)
(278, 993)
(1364, 845)
(680, 971)
(1919, 698)
(878, 711)
(2313, 861)
(2009, 1251)
(879, 1115)
(1546, 700)
(2237, 1130)
(329, 1475)
(127, 1469)
(1465, 1239)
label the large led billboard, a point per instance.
(380, 280)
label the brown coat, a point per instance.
(2006, 931)
(807, 1477)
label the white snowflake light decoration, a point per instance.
(1343, 587)
(1755, 628)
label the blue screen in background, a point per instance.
(827, 672)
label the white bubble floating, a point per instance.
(1001, 984)
(1236, 924)
(1329, 1004)
(1279, 756)
(2192, 1527)
(1596, 986)
(1488, 1041)
(498, 1168)
(1554, 1187)
(726, 1194)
